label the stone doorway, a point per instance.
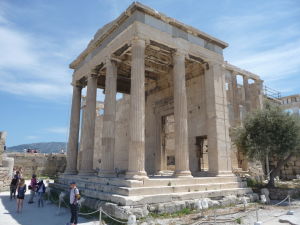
(202, 152)
(168, 141)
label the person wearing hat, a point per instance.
(74, 197)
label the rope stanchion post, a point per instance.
(256, 212)
(60, 200)
(100, 216)
(290, 212)
(215, 217)
(245, 203)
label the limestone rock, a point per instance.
(266, 193)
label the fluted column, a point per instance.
(235, 101)
(86, 167)
(247, 93)
(219, 147)
(72, 150)
(109, 117)
(259, 89)
(83, 106)
(180, 115)
(136, 157)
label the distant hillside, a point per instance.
(43, 147)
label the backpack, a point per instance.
(41, 186)
(14, 181)
(76, 198)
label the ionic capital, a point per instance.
(77, 84)
(137, 41)
(92, 76)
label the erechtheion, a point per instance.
(164, 68)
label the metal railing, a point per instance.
(271, 93)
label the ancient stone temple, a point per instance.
(166, 71)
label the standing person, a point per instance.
(74, 197)
(41, 191)
(13, 185)
(21, 194)
(32, 187)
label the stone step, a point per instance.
(152, 186)
(177, 188)
(156, 198)
(152, 182)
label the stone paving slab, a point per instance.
(33, 215)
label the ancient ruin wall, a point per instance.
(290, 170)
(40, 164)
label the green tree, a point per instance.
(271, 132)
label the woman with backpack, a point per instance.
(21, 189)
(41, 191)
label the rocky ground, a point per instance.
(268, 214)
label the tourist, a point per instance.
(41, 191)
(21, 194)
(32, 188)
(74, 197)
(14, 184)
(20, 172)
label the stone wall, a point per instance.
(281, 193)
(6, 165)
(2, 144)
(38, 163)
(4, 179)
(290, 169)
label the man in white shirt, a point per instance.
(74, 197)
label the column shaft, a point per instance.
(180, 115)
(219, 147)
(109, 117)
(83, 109)
(72, 150)
(247, 94)
(235, 101)
(136, 157)
(89, 127)
(259, 89)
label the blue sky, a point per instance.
(38, 40)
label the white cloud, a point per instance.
(31, 137)
(266, 43)
(58, 130)
(274, 63)
(35, 67)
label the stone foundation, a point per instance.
(281, 193)
(140, 211)
(290, 170)
(39, 164)
(4, 179)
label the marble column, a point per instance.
(83, 108)
(260, 97)
(72, 150)
(247, 93)
(235, 101)
(219, 145)
(109, 117)
(136, 154)
(182, 168)
(86, 167)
